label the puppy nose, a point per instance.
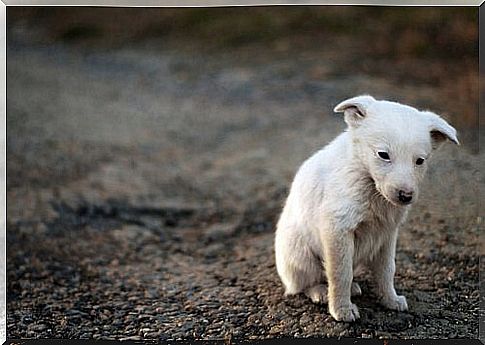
(405, 196)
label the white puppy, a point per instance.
(348, 200)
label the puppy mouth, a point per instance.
(397, 202)
(392, 201)
(405, 203)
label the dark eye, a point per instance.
(419, 161)
(384, 155)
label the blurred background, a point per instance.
(150, 151)
(403, 45)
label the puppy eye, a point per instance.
(384, 155)
(419, 161)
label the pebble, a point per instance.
(133, 337)
(37, 327)
(151, 335)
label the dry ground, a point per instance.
(144, 182)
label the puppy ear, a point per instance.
(440, 130)
(354, 109)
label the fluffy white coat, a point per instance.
(348, 200)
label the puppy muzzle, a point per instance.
(405, 197)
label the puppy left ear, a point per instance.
(354, 109)
(440, 130)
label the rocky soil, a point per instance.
(144, 184)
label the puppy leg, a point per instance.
(317, 293)
(338, 257)
(296, 264)
(384, 268)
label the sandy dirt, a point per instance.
(144, 185)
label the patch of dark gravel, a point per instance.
(143, 199)
(121, 282)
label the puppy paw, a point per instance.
(355, 289)
(397, 303)
(317, 293)
(345, 313)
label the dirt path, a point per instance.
(143, 188)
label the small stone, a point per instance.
(133, 337)
(275, 329)
(151, 335)
(38, 327)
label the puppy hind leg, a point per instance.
(296, 264)
(302, 274)
(317, 293)
(298, 279)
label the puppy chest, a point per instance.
(369, 237)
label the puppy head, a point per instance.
(394, 142)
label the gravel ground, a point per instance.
(144, 186)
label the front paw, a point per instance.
(346, 313)
(395, 303)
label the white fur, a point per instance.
(344, 207)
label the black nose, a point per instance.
(405, 197)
